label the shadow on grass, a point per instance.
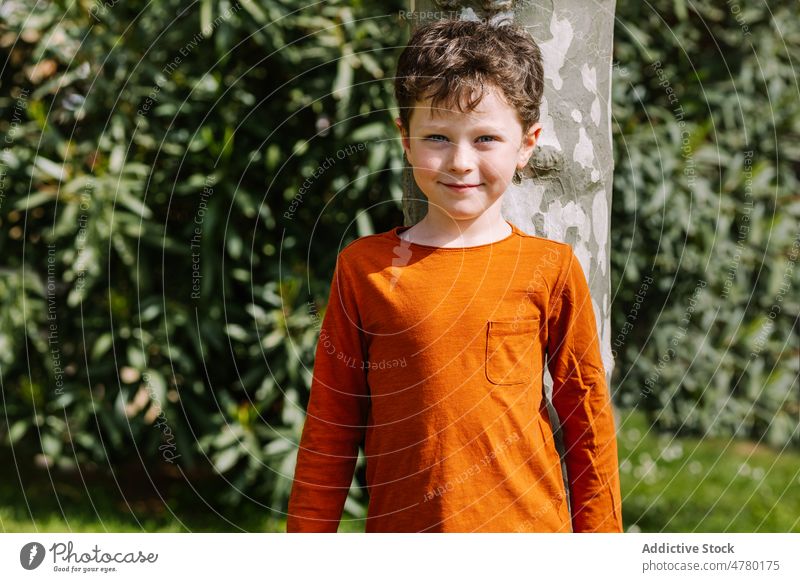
(129, 499)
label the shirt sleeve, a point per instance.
(336, 417)
(582, 401)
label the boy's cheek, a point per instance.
(427, 172)
(434, 164)
(429, 175)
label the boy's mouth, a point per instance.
(460, 186)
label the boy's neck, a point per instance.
(444, 231)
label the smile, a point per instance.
(460, 187)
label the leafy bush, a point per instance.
(175, 182)
(705, 216)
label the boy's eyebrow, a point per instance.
(445, 127)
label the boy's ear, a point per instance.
(406, 142)
(529, 140)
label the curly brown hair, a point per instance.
(450, 60)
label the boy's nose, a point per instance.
(461, 158)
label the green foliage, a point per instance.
(705, 217)
(175, 180)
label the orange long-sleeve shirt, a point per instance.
(432, 359)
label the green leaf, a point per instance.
(226, 460)
(101, 346)
(206, 18)
(18, 430)
(33, 200)
(49, 168)
(134, 204)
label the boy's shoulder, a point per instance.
(385, 244)
(550, 256)
(368, 245)
(541, 243)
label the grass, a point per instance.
(96, 501)
(705, 485)
(668, 485)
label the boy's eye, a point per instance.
(440, 138)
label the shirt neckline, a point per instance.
(395, 235)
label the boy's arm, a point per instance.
(581, 398)
(336, 417)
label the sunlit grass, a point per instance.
(705, 485)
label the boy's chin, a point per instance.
(463, 214)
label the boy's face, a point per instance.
(478, 151)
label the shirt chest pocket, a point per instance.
(513, 351)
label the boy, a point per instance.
(432, 346)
